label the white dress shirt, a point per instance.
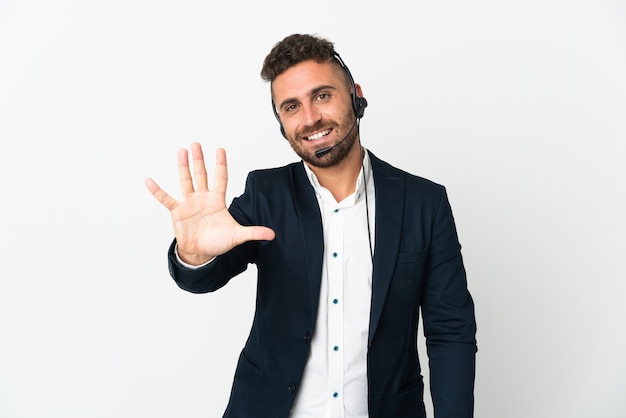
(334, 384)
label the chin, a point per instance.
(330, 159)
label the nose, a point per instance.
(311, 115)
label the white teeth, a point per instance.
(318, 135)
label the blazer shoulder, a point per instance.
(275, 172)
(383, 171)
(275, 175)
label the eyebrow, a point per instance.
(313, 92)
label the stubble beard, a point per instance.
(340, 150)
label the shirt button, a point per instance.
(335, 301)
(292, 388)
(335, 394)
(335, 255)
(336, 348)
(307, 337)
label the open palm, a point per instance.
(202, 224)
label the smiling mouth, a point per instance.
(317, 136)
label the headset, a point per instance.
(358, 103)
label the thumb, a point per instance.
(255, 233)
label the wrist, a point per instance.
(194, 259)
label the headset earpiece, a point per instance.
(360, 103)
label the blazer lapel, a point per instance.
(389, 186)
(310, 220)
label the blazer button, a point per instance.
(307, 337)
(292, 388)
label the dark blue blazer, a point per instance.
(417, 266)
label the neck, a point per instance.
(341, 179)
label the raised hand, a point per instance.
(202, 225)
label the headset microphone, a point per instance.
(321, 152)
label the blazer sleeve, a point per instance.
(449, 320)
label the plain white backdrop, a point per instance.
(517, 107)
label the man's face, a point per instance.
(315, 108)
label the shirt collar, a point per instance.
(364, 177)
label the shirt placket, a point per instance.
(335, 262)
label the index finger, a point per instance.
(220, 180)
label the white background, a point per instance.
(517, 107)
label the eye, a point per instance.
(290, 108)
(323, 97)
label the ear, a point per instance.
(359, 91)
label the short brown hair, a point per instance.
(293, 50)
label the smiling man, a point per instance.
(349, 250)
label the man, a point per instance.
(348, 250)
